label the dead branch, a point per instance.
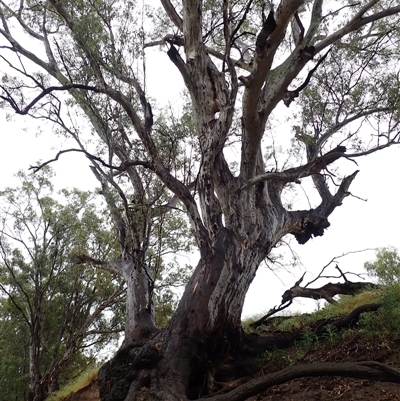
(271, 312)
(290, 95)
(295, 173)
(279, 339)
(122, 167)
(10, 100)
(362, 370)
(327, 292)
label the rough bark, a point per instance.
(156, 369)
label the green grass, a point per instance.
(297, 320)
(82, 381)
(376, 326)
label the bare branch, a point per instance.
(173, 15)
(355, 23)
(327, 292)
(339, 9)
(295, 173)
(290, 95)
(44, 93)
(122, 167)
(362, 370)
(271, 312)
(112, 267)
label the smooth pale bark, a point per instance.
(140, 321)
(36, 390)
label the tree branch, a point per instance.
(294, 174)
(327, 292)
(255, 106)
(328, 205)
(9, 99)
(122, 167)
(172, 14)
(355, 23)
(290, 95)
(362, 370)
(179, 41)
(112, 267)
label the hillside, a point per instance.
(371, 336)
(353, 348)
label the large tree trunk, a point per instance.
(36, 389)
(140, 321)
(182, 361)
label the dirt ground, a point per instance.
(326, 388)
(321, 389)
(309, 389)
(351, 349)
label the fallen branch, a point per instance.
(285, 339)
(363, 370)
(327, 292)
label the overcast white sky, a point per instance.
(354, 226)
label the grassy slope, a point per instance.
(375, 337)
(71, 390)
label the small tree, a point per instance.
(53, 309)
(386, 266)
(14, 353)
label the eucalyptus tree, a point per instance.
(334, 64)
(386, 266)
(52, 309)
(14, 355)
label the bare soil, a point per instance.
(352, 349)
